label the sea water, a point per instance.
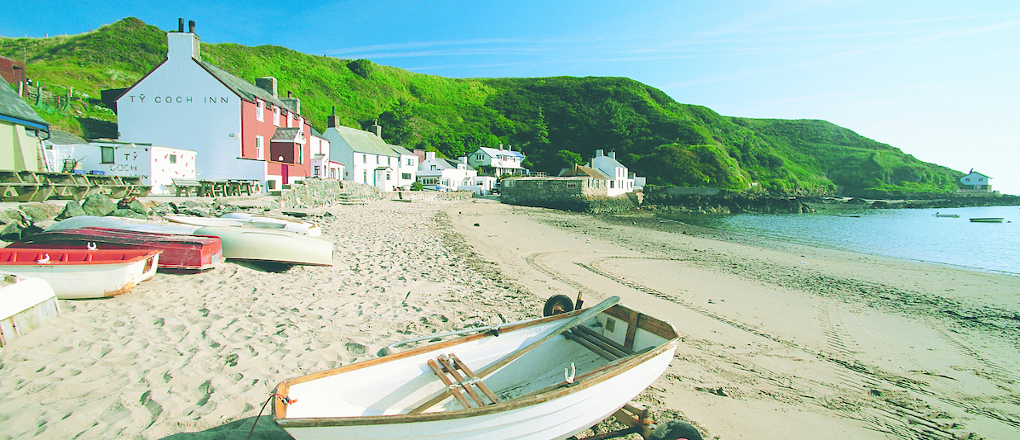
(913, 234)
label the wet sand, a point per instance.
(779, 341)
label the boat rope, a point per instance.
(573, 372)
(286, 401)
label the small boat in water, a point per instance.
(939, 214)
(83, 273)
(987, 219)
(547, 378)
(25, 304)
(180, 252)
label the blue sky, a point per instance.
(939, 80)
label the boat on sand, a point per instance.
(25, 304)
(83, 273)
(180, 252)
(547, 378)
(270, 245)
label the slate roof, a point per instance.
(285, 134)
(58, 137)
(401, 150)
(364, 142)
(492, 152)
(241, 87)
(16, 110)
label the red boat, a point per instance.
(180, 252)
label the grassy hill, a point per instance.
(554, 121)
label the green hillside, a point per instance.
(554, 121)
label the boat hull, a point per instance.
(987, 219)
(83, 274)
(25, 304)
(267, 245)
(548, 406)
(180, 252)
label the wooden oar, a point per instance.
(588, 314)
(576, 321)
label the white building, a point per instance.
(366, 158)
(976, 181)
(157, 166)
(322, 166)
(620, 180)
(496, 162)
(237, 129)
(446, 174)
(407, 168)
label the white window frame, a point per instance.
(259, 110)
(276, 116)
(260, 147)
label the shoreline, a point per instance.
(798, 343)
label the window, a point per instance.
(259, 110)
(479, 157)
(260, 147)
(276, 116)
(316, 170)
(364, 158)
(173, 158)
(300, 154)
(290, 119)
(406, 176)
(410, 162)
(107, 154)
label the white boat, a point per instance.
(127, 224)
(271, 245)
(526, 380)
(274, 222)
(239, 219)
(83, 273)
(987, 219)
(25, 303)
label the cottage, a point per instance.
(407, 168)
(975, 181)
(366, 158)
(445, 174)
(621, 181)
(21, 130)
(497, 161)
(156, 166)
(322, 166)
(237, 129)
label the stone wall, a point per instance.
(572, 194)
(312, 193)
(428, 195)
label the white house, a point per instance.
(976, 181)
(407, 168)
(322, 166)
(366, 158)
(21, 129)
(238, 130)
(621, 181)
(155, 165)
(446, 174)
(497, 162)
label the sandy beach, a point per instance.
(780, 341)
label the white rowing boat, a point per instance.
(25, 303)
(271, 245)
(543, 379)
(240, 219)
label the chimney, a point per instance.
(331, 120)
(183, 45)
(293, 103)
(612, 155)
(598, 153)
(268, 84)
(376, 129)
(429, 155)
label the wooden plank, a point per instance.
(449, 367)
(632, 326)
(623, 351)
(481, 385)
(449, 384)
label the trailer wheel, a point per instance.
(557, 304)
(675, 430)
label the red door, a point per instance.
(285, 173)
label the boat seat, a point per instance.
(457, 376)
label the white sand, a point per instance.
(780, 342)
